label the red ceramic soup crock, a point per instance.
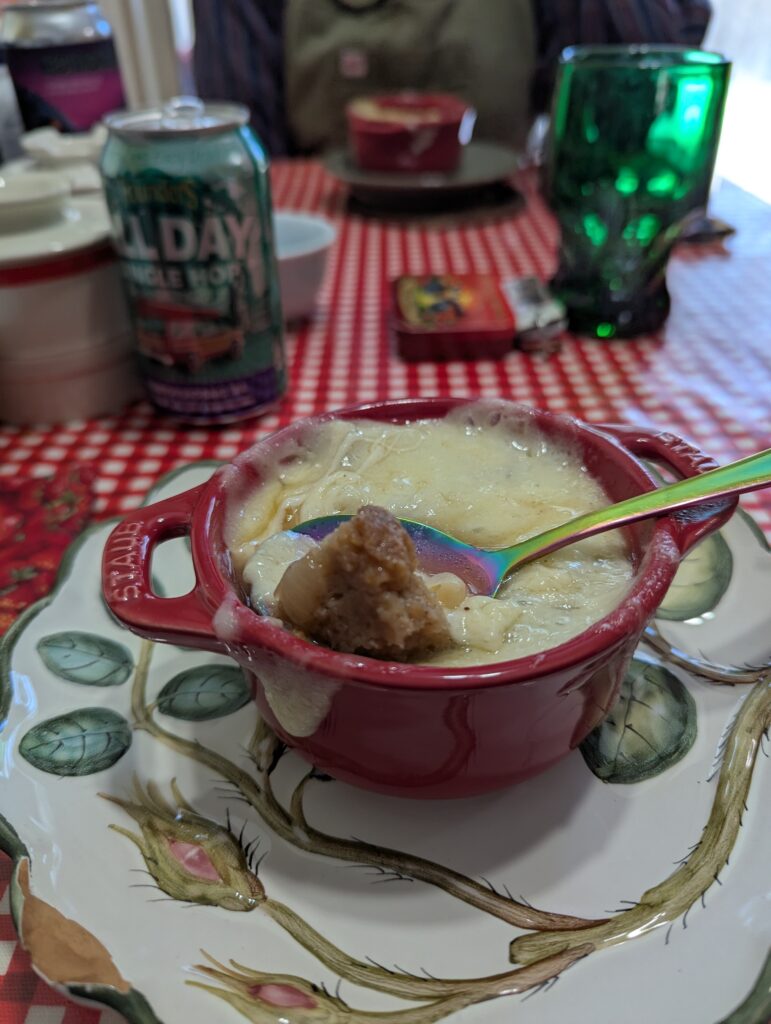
(404, 729)
(416, 147)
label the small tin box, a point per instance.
(468, 316)
(451, 316)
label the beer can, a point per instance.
(189, 197)
(62, 61)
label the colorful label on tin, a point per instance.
(70, 87)
(198, 264)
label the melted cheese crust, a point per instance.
(480, 475)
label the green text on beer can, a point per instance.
(189, 196)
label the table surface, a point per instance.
(706, 376)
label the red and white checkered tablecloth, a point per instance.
(707, 376)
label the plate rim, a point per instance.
(133, 1005)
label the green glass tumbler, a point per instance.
(631, 152)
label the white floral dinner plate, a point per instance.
(174, 861)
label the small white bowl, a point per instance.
(302, 245)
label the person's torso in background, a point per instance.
(336, 50)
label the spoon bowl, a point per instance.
(484, 571)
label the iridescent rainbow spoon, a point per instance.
(484, 571)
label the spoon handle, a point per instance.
(746, 475)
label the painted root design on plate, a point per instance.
(193, 859)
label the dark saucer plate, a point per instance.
(482, 164)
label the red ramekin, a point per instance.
(403, 729)
(431, 146)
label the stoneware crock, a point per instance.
(403, 729)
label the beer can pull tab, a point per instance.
(183, 112)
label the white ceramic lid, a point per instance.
(81, 175)
(31, 199)
(52, 148)
(40, 219)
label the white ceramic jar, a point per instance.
(66, 348)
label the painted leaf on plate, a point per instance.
(205, 692)
(651, 727)
(86, 658)
(700, 582)
(82, 742)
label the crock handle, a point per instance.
(126, 579)
(685, 460)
